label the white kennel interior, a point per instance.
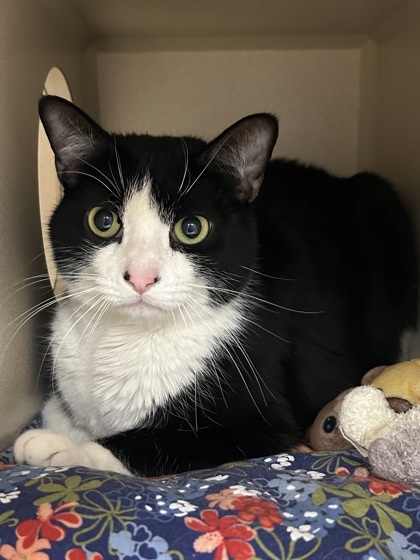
(343, 77)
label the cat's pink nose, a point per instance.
(141, 281)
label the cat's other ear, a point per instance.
(73, 136)
(243, 151)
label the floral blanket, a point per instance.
(288, 507)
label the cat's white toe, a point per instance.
(42, 448)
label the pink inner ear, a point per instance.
(371, 374)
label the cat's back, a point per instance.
(293, 189)
(326, 218)
(347, 247)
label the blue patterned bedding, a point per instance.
(289, 507)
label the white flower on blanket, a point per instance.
(7, 497)
(182, 508)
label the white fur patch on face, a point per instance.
(144, 250)
(119, 354)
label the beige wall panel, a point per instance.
(398, 122)
(398, 116)
(31, 42)
(315, 93)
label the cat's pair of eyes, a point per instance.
(106, 224)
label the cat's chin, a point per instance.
(143, 310)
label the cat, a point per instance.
(215, 300)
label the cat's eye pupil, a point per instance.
(103, 219)
(191, 227)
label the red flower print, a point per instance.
(359, 473)
(378, 486)
(342, 471)
(226, 536)
(79, 554)
(251, 508)
(21, 552)
(30, 530)
(223, 499)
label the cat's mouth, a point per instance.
(143, 307)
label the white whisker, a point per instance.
(113, 184)
(118, 159)
(86, 175)
(206, 166)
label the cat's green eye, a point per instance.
(103, 222)
(192, 229)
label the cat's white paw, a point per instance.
(41, 448)
(45, 448)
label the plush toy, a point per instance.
(401, 386)
(389, 438)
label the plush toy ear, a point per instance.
(73, 136)
(243, 151)
(372, 374)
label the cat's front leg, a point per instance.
(43, 448)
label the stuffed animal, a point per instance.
(390, 439)
(401, 386)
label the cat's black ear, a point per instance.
(243, 151)
(73, 136)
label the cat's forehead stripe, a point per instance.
(141, 212)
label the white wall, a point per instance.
(34, 36)
(314, 92)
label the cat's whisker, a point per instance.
(195, 377)
(102, 303)
(255, 298)
(30, 313)
(234, 362)
(28, 282)
(104, 309)
(248, 320)
(118, 160)
(193, 306)
(236, 339)
(254, 271)
(41, 254)
(258, 377)
(206, 166)
(118, 187)
(179, 307)
(114, 185)
(186, 160)
(54, 366)
(86, 175)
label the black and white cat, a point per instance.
(202, 323)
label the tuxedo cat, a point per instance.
(215, 300)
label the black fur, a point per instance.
(335, 290)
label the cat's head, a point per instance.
(149, 225)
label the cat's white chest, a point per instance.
(114, 376)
